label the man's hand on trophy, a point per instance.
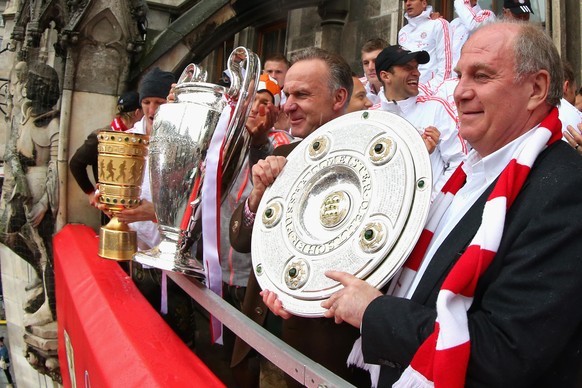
(144, 212)
(271, 300)
(264, 174)
(105, 209)
(261, 119)
(99, 205)
(172, 96)
(93, 198)
(349, 303)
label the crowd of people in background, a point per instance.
(489, 112)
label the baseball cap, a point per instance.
(398, 55)
(128, 102)
(518, 6)
(269, 84)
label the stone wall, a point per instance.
(365, 20)
(6, 59)
(89, 47)
(16, 275)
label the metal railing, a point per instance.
(295, 364)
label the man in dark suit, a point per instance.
(521, 313)
(311, 102)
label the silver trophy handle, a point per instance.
(245, 68)
(193, 73)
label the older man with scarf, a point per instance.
(489, 296)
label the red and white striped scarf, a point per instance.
(118, 125)
(442, 359)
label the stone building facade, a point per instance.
(100, 48)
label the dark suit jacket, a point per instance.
(526, 319)
(318, 338)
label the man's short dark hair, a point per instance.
(278, 58)
(339, 70)
(374, 44)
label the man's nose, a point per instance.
(153, 108)
(289, 106)
(462, 91)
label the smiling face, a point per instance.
(310, 102)
(402, 82)
(493, 108)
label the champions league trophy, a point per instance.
(181, 135)
(121, 164)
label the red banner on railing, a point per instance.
(109, 335)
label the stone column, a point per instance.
(333, 15)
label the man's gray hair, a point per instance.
(339, 70)
(534, 50)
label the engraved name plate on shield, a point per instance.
(353, 197)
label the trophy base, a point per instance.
(189, 265)
(167, 258)
(119, 245)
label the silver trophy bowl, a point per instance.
(181, 135)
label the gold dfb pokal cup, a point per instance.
(121, 165)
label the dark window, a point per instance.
(271, 39)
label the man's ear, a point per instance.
(340, 99)
(566, 86)
(539, 90)
(383, 76)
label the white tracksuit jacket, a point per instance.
(373, 97)
(424, 111)
(433, 36)
(469, 18)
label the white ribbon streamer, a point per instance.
(210, 203)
